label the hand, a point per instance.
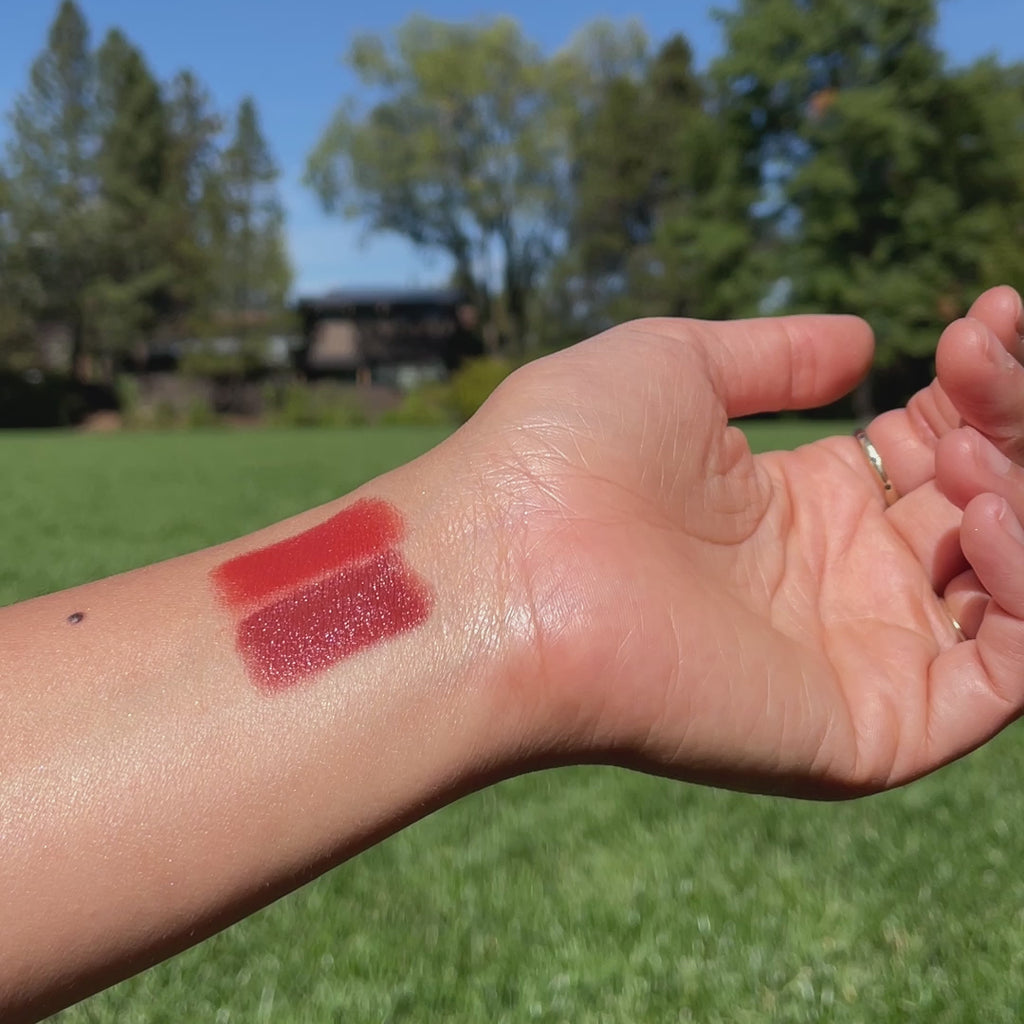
(763, 622)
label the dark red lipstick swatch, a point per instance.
(308, 602)
(319, 624)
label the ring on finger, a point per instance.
(871, 452)
(954, 622)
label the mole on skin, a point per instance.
(307, 602)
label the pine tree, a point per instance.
(660, 219)
(52, 187)
(254, 273)
(131, 290)
(889, 183)
(14, 317)
(192, 194)
(120, 217)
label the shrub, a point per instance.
(129, 400)
(207, 362)
(306, 405)
(474, 381)
(163, 415)
(429, 405)
(438, 404)
(200, 415)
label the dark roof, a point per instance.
(346, 298)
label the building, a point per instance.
(386, 336)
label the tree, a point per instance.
(984, 112)
(193, 203)
(13, 315)
(660, 216)
(52, 189)
(120, 217)
(248, 228)
(465, 153)
(134, 267)
(892, 187)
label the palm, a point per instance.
(762, 621)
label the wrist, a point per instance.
(480, 636)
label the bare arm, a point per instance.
(169, 766)
(595, 568)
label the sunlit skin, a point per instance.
(767, 622)
(611, 576)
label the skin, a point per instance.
(615, 578)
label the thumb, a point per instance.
(792, 362)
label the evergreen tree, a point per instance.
(52, 188)
(248, 226)
(131, 290)
(193, 193)
(660, 219)
(891, 185)
(120, 218)
(14, 318)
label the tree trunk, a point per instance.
(80, 370)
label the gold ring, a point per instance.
(876, 464)
(957, 628)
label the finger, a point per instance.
(993, 541)
(984, 382)
(976, 688)
(967, 465)
(906, 438)
(930, 526)
(967, 601)
(1002, 311)
(793, 362)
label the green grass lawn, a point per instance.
(584, 895)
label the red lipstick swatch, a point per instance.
(307, 602)
(360, 531)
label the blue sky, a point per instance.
(287, 55)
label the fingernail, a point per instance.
(993, 459)
(995, 351)
(1008, 521)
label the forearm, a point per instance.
(167, 767)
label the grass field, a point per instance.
(585, 895)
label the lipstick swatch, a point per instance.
(364, 529)
(308, 602)
(319, 624)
